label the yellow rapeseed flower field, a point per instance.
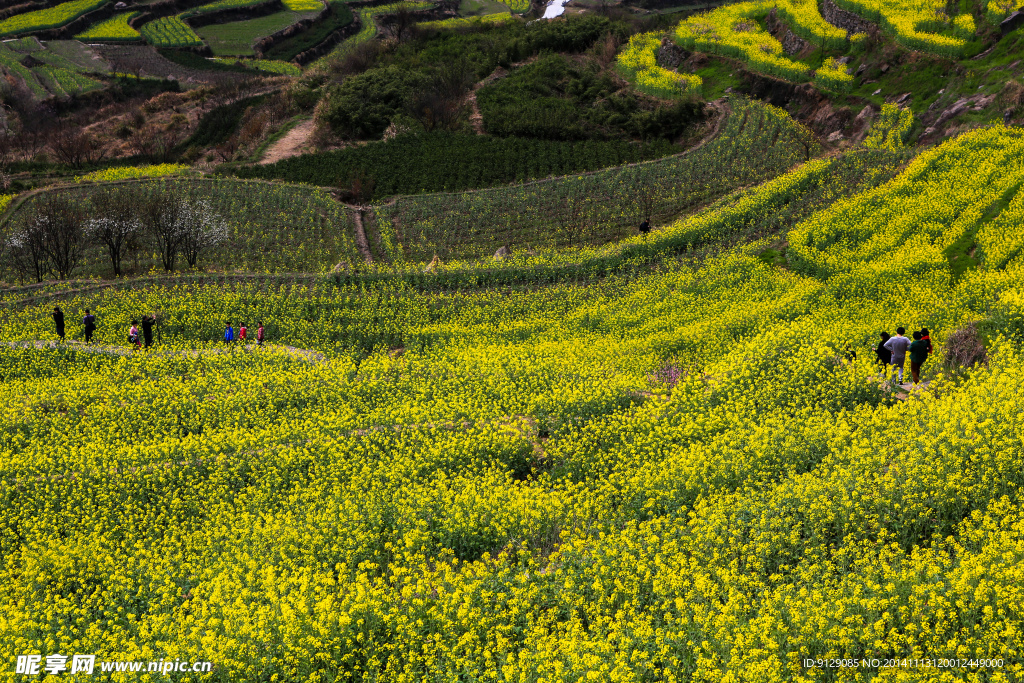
(688, 472)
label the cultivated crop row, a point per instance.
(756, 142)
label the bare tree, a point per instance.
(72, 145)
(63, 225)
(402, 22)
(441, 103)
(117, 225)
(643, 195)
(160, 213)
(25, 251)
(574, 215)
(201, 229)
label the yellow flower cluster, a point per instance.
(461, 22)
(275, 66)
(942, 196)
(891, 129)
(303, 5)
(804, 17)
(638, 62)
(832, 76)
(919, 25)
(130, 172)
(51, 17)
(114, 29)
(5, 201)
(683, 475)
(733, 30)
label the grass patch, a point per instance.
(479, 8)
(236, 38)
(718, 76)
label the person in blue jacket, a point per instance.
(229, 334)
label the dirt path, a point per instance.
(361, 243)
(307, 355)
(291, 144)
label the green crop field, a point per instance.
(599, 207)
(435, 162)
(687, 469)
(271, 227)
(368, 29)
(237, 37)
(67, 67)
(169, 32)
(338, 17)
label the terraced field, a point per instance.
(684, 467)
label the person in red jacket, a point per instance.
(927, 339)
(259, 335)
(242, 333)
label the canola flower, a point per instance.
(637, 61)
(114, 29)
(891, 129)
(518, 495)
(733, 31)
(269, 65)
(833, 76)
(918, 25)
(51, 17)
(461, 22)
(130, 172)
(303, 5)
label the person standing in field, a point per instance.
(147, 328)
(918, 355)
(243, 331)
(259, 335)
(133, 333)
(89, 323)
(884, 355)
(898, 347)
(229, 334)
(926, 337)
(645, 227)
(58, 321)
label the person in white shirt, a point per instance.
(898, 347)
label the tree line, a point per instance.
(50, 239)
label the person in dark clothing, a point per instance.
(147, 329)
(89, 323)
(918, 355)
(884, 355)
(58, 321)
(925, 337)
(645, 227)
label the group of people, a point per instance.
(141, 335)
(893, 351)
(88, 323)
(147, 331)
(243, 334)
